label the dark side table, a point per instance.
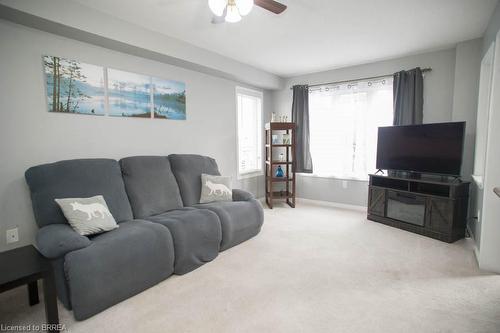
(25, 266)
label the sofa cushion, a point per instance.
(197, 236)
(187, 170)
(150, 184)
(119, 264)
(240, 220)
(73, 179)
(87, 216)
(215, 188)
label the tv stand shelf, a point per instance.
(434, 207)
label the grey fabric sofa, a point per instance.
(162, 228)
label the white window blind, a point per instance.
(344, 121)
(249, 106)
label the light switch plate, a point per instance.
(12, 235)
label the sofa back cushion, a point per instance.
(81, 178)
(187, 170)
(150, 184)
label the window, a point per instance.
(343, 126)
(249, 107)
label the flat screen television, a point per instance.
(429, 148)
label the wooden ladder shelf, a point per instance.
(280, 188)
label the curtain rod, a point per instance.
(424, 70)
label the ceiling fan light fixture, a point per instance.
(232, 10)
(217, 6)
(232, 15)
(244, 6)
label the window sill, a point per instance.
(250, 175)
(333, 177)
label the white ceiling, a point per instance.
(313, 35)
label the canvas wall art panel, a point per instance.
(129, 94)
(73, 86)
(169, 99)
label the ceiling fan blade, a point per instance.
(271, 5)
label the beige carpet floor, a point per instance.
(312, 269)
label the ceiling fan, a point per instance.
(232, 10)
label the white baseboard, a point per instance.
(333, 204)
(324, 203)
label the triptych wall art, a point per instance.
(76, 87)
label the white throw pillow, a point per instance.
(215, 188)
(87, 216)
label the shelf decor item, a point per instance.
(280, 162)
(279, 172)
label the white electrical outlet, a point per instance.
(344, 184)
(479, 215)
(12, 235)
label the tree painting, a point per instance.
(74, 87)
(169, 99)
(129, 94)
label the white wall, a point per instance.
(76, 21)
(465, 97)
(489, 228)
(491, 31)
(438, 107)
(29, 135)
(489, 255)
(465, 94)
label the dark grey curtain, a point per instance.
(300, 116)
(408, 88)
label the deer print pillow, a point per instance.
(215, 188)
(87, 216)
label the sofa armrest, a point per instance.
(55, 240)
(242, 195)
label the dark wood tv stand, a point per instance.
(433, 207)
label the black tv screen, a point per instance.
(428, 148)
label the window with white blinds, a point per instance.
(344, 121)
(249, 108)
